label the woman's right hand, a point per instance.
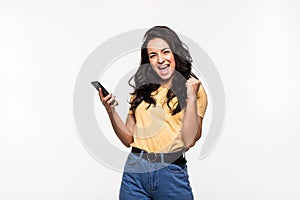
(109, 101)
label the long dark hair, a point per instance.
(147, 81)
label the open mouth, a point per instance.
(163, 69)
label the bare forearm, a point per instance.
(123, 133)
(121, 130)
(190, 123)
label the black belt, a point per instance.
(173, 157)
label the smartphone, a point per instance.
(98, 85)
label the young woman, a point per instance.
(165, 117)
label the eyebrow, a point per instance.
(161, 50)
(165, 48)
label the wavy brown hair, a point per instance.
(147, 81)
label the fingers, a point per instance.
(192, 82)
(109, 99)
(113, 102)
(102, 98)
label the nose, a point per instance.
(160, 58)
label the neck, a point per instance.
(166, 84)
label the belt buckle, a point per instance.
(151, 154)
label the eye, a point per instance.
(152, 55)
(166, 51)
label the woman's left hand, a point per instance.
(192, 85)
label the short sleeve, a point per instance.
(130, 112)
(201, 101)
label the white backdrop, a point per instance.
(254, 44)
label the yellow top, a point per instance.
(156, 129)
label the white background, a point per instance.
(254, 44)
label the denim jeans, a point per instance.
(144, 180)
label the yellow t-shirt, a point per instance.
(156, 129)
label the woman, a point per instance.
(164, 119)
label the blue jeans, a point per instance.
(144, 180)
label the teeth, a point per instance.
(163, 67)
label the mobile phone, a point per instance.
(98, 85)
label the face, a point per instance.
(161, 59)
